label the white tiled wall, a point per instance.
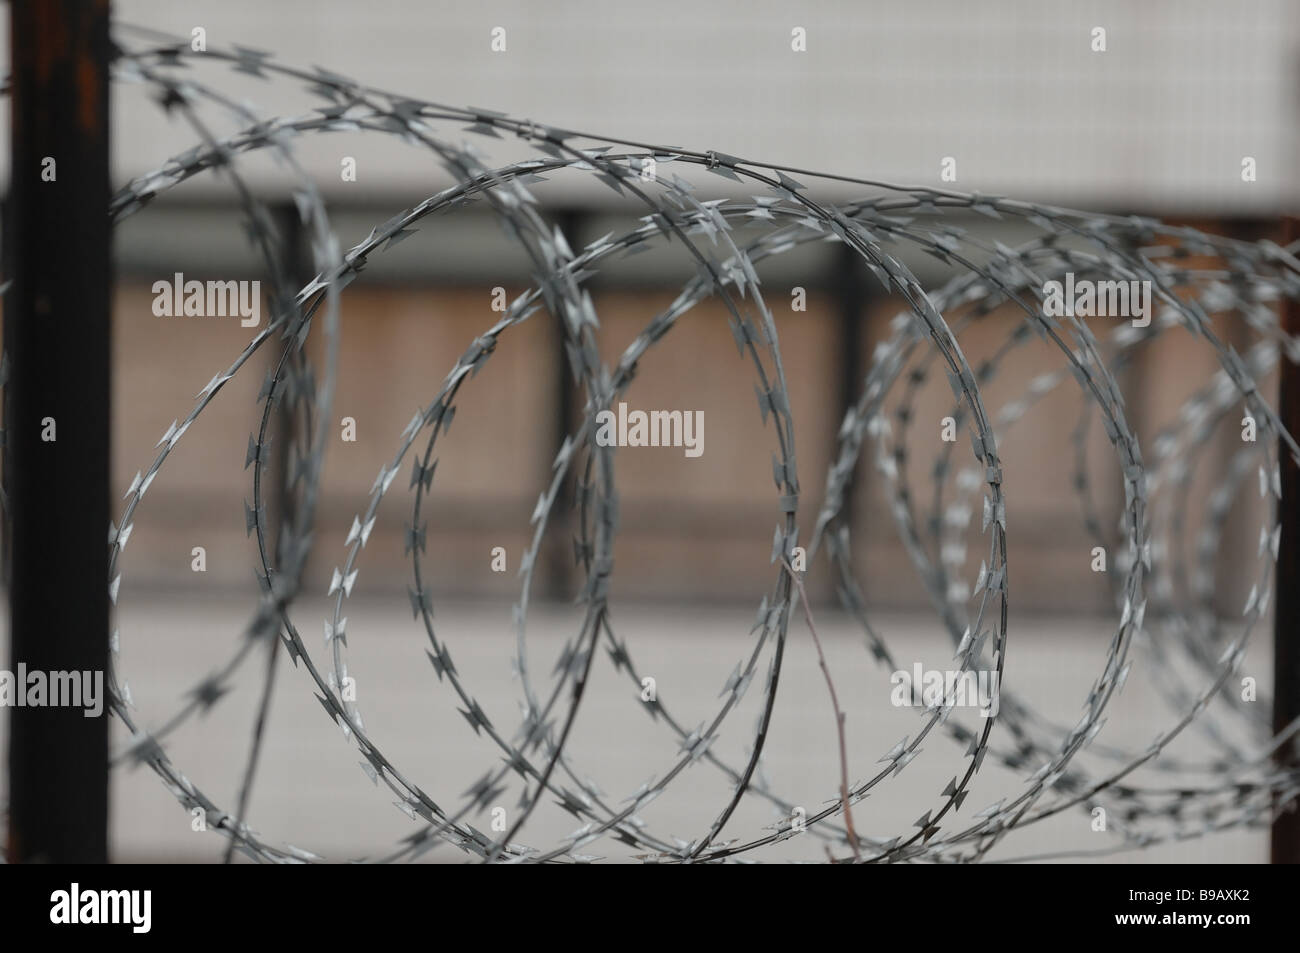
(886, 89)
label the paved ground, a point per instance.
(312, 793)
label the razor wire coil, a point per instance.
(1165, 600)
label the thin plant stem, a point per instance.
(835, 705)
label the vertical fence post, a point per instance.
(852, 297)
(559, 573)
(1286, 612)
(57, 408)
(294, 265)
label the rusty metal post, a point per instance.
(57, 420)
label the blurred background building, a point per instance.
(1158, 124)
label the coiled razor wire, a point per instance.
(1165, 604)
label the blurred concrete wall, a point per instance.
(1010, 88)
